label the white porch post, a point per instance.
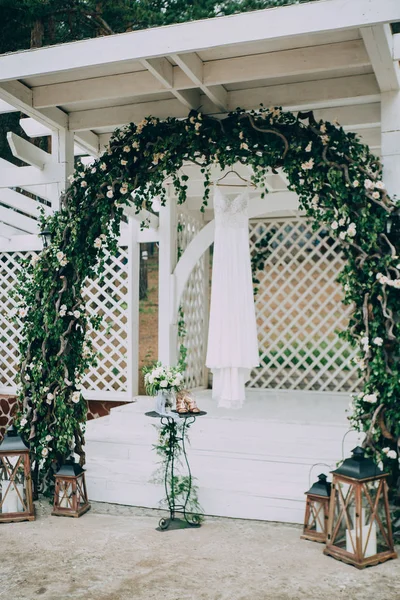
(390, 131)
(167, 327)
(133, 307)
(62, 150)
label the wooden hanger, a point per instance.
(247, 182)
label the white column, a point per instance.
(62, 149)
(133, 308)
(390, 131)
(167, 328)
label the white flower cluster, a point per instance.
(349, 230)
(163, 378)
(62, 259)
(370, 398)
(360, 362)
(389, 453)
(384, 280)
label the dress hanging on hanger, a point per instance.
(232, 337)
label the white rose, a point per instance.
(110, 194)
(126, 149)
(368, 184)
(342, 221)
(380, 185)
(77, 314)
(334, 225)
(83, 184)
(371, 398)
(50, 396)
(124, 162)
(308, 147)
(97, 243)
(164, 384)
(45, 452)
(376, 195)
(23, 312)
(356, 183)
(123, 190)
(76, 396)
(392, 454)
(342, 235)
(103, 167)
(23, 422)
(49, 438)
(378, 341)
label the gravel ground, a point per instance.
(115, 553)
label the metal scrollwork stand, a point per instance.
(176, 439)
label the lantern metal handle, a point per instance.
(316, 465)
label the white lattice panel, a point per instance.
(194, 305)
(10, 331)
(299, 310)
(109, 299)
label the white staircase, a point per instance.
(253, 463)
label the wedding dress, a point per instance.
(232, 336)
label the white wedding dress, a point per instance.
(232, 336)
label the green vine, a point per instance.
(258, 259)
(339, 184)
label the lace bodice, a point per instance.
(230, 213)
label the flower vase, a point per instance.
(163, 402)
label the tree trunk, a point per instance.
(37, 34)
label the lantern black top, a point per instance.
(322, 487)
(359, 466)
(70, 469)
(46, 236)
(12, 442)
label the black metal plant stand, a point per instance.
(176, 442)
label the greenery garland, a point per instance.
(339, 183)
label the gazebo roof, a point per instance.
(315, 55)
(332, 57)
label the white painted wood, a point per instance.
(8, 232)
(22, 203)
(390, 108)
(193, 67)
(268, 24)
(142, 216)
(254, 463)
(107, 88)
(33, 128)
(20, 96)
(6, 108)
(358, 89)
(20, 242)
(62, 149)
(30, 176)
(13, 218)
(343, 55)
(133, 308)
(396, 46)
(27, 152)
(378, 41)
(167, 330)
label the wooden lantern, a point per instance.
(70, 495)
(16, 503)
(359, 528)
(317, 511)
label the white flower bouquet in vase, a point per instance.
(163, 383)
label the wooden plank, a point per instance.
(11, 217)
(6, 108)
(378, 41)
(396, 46)
(268, 24)
(21, 202)
(193, 67)
(27, 152)
(30, 176)
(20, 242)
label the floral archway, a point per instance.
(339, 183)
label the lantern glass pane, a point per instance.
(80, 492)
(374, 525)
(65, 495)
(316, 520)
(344, 517)
(12, 485)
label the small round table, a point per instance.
(176, 447)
